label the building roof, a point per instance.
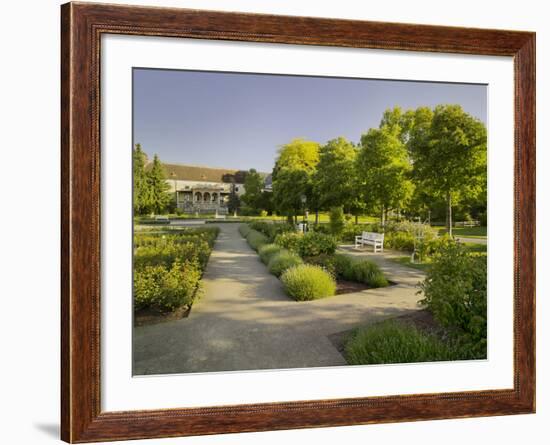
(199, 173)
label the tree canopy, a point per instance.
(450, 155)
(293, 176)
(150, 192)
(335, 180)
(383, 170)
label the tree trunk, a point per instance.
(383, 217)
(449, 215)
(356, 219)
(316, 216)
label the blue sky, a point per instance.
(236, 120)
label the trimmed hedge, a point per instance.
(168, 266)
(282, 261)
(166, 288)
(267, 251)
(308, 282)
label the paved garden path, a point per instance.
(244, 320)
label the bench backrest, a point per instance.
(373, 236)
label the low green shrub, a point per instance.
(321, 228)
(244, 230)
(289, 240)
(343, 265)
(392, 342)
(256, 239)
(455, 291)
(315, 243)
(369, 273)
(282, 261)
(267, 251)
(166, 288)
(308, 282)
(153, 249)
(399, 241)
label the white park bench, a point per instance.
(161, 218)
(218, 216)
(371, 238)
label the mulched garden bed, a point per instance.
(349, 287)
(145, 317)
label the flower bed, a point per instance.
(168, 266)
(305, 259)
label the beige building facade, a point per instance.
(200, 189)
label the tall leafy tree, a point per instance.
(253, 186)
(159, 198)
(234, 202)
(140, 192)
(293, 176)
(383, 170)
(335, 178)
(450, 156)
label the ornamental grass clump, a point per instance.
(369, 273)
(282, 261)
(343, 266)
(308, 282)
(393, 342)
(267, 251)
(244, 230)
(256, 239)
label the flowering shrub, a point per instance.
(455, 291)
(314, 243)
(289, 240)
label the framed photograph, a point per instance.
(274, 222)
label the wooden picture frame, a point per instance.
(82, 25)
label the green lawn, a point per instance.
(469, 232)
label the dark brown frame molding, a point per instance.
(82, 25)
